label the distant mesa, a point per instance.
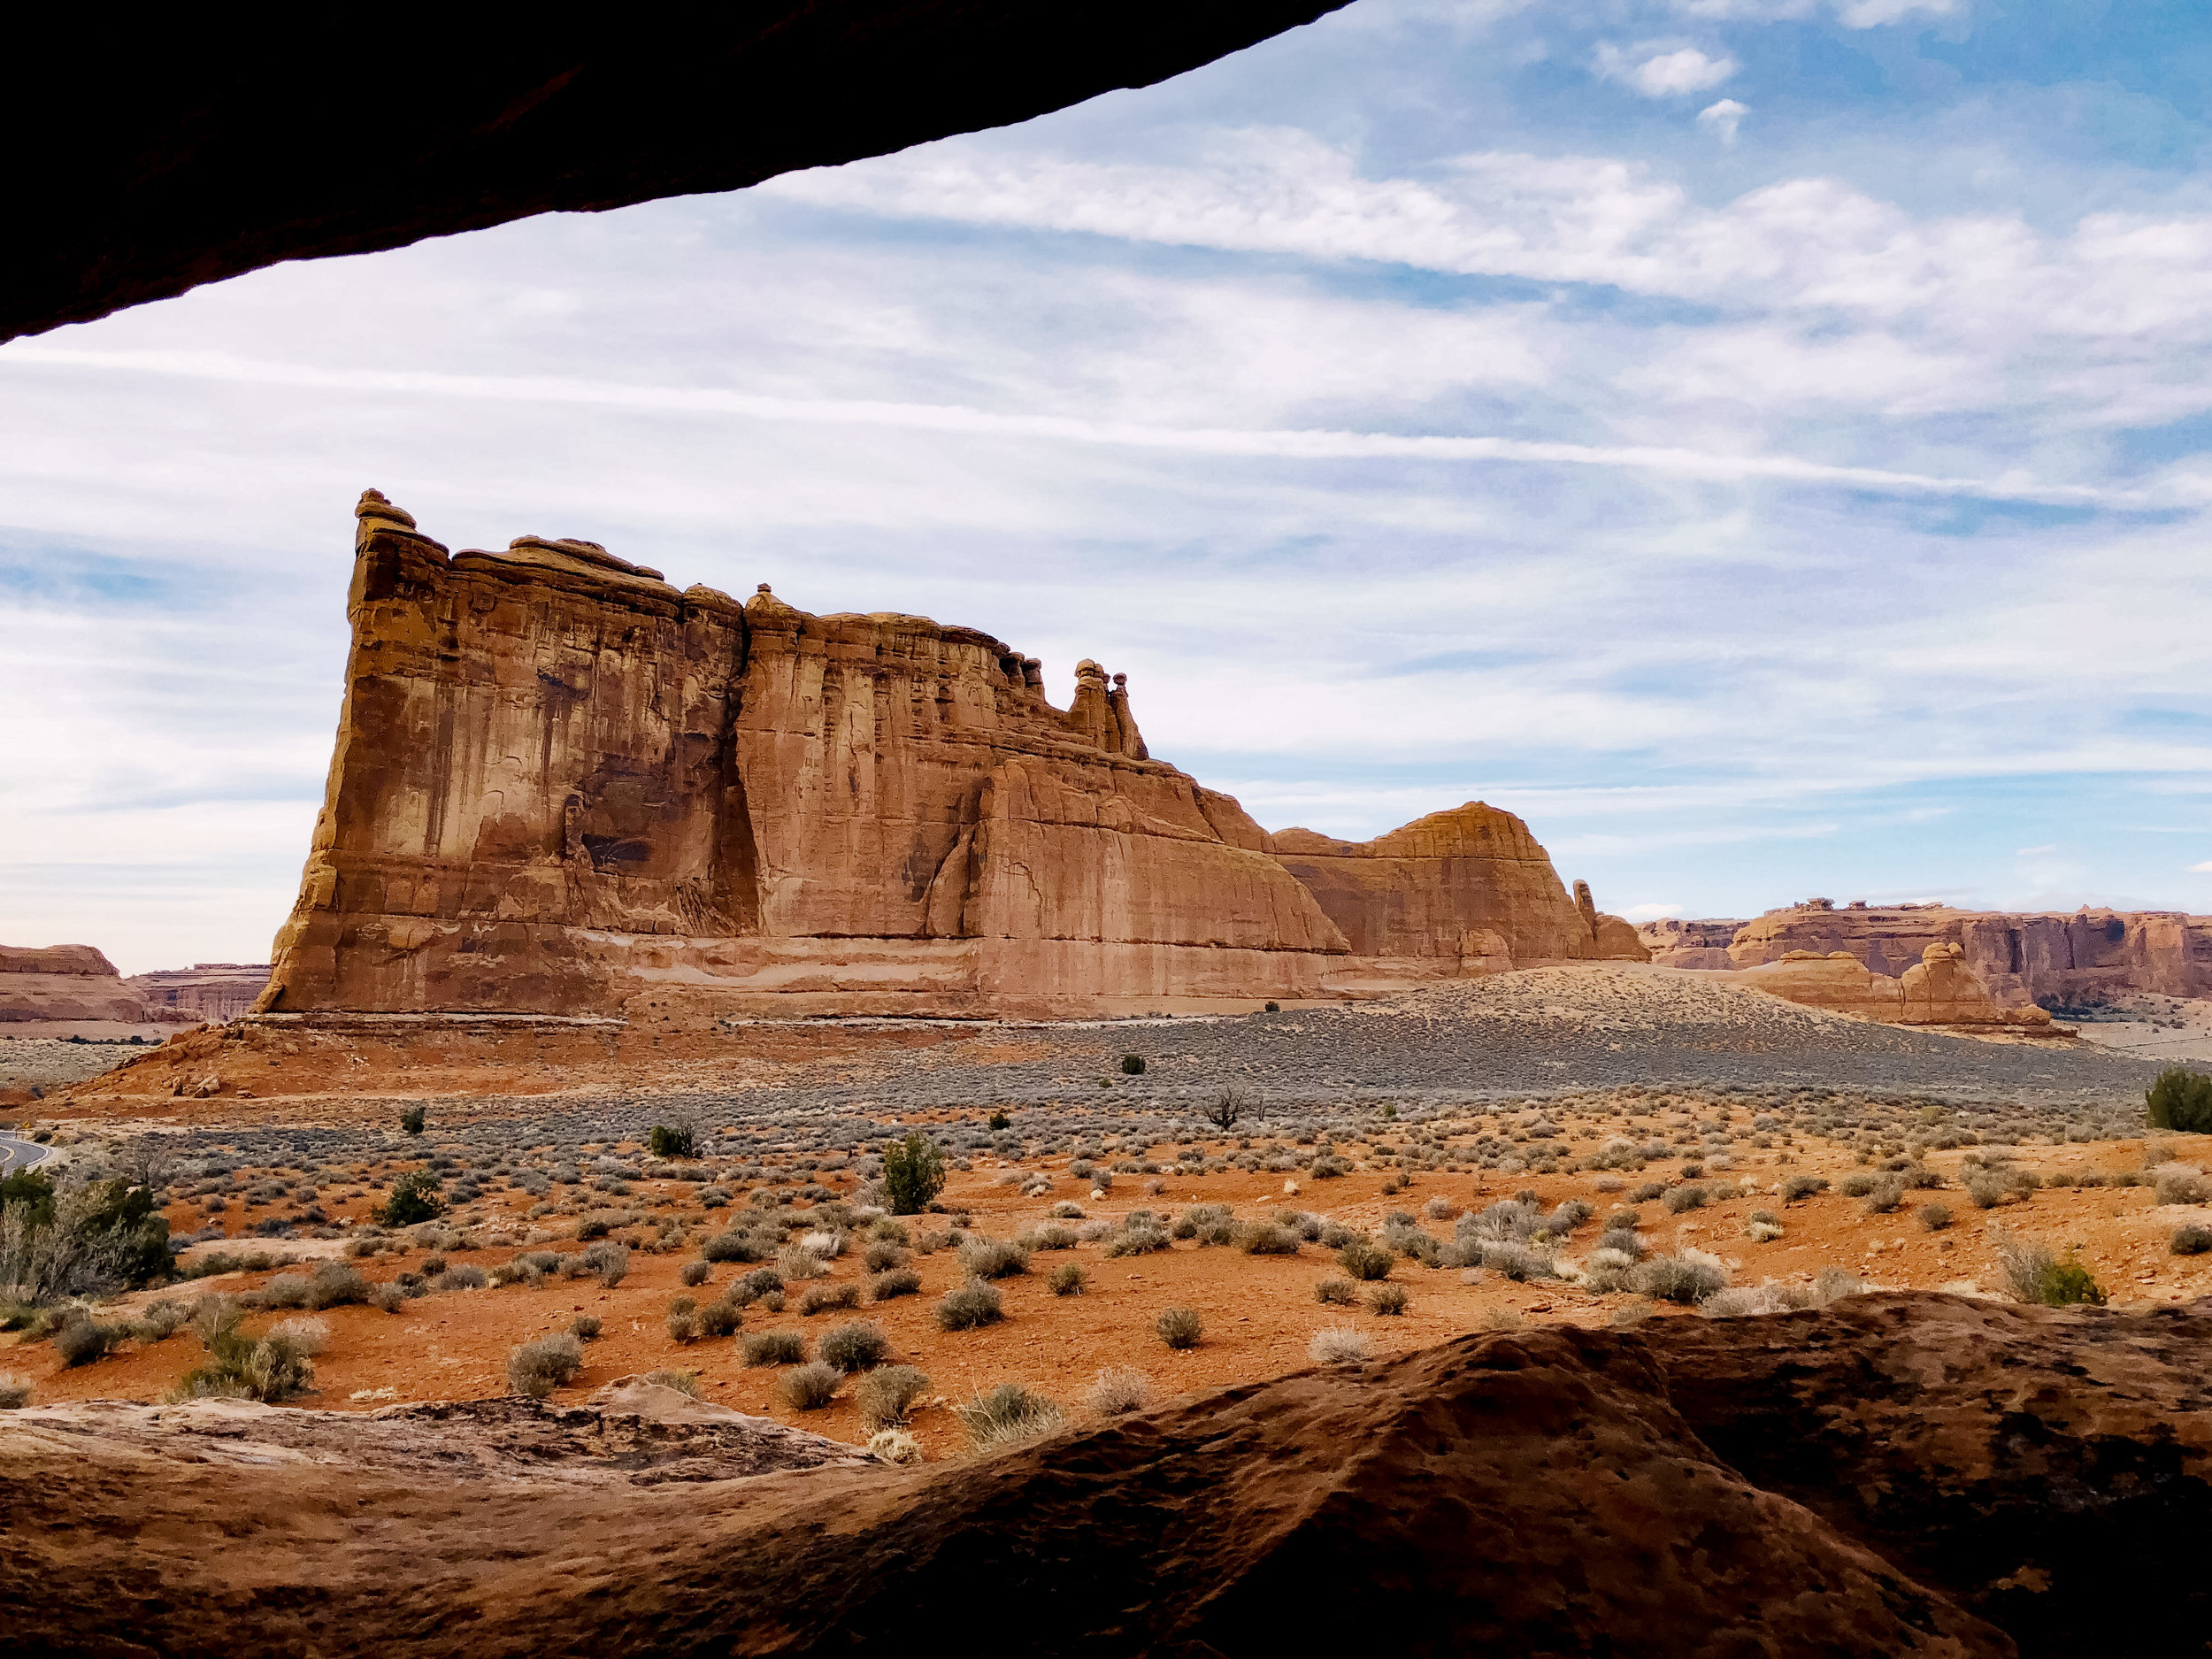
(2020, 960)
(562, 785)
(77, 983)
(64, 982)
(205, 991)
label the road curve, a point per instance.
(17, 1155)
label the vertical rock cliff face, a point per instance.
(562, 786)
(1463, 891)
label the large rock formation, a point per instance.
(1938, 990)
(2056, 960)
(1676, 943)
(206, 990)
(64, 982)
(1458, 892)
(562, 786)
(1896, 1474)
(396, 126)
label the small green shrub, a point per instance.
(1007, 1416)
(2181, 1100)
(81, 1339)
(1180, 1327)
(913, 1174)
(882, 1255)
(887, 1396)
(2034, 1275)
(993, 1258)
(1677, 1278)
(899, 1281)
(670, 1141)
(1389, 1299)
(718, 1319)
(1934, 1217)
(1132, 1065)
(2192, 1239)
(410, 1119)
(694, 1274)
(971, 1306)
(772, 1347)
(828, 1299)
(1681, 1198)
(413, 1198)
(1799, 1186)
(1365, 1261)
(1335, 1292)
(1069, 1279)
(543, 1363)
(811, 1386)
(585, 1327)
(854, 1347)
(998, 1119)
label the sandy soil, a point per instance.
(1259, 1311)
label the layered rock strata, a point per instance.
(1676, 943)
(64, 982)
(1894, 1474)
(1938, 990)
(2055, 960)
(1456, 893)
(562, 786)
(206, 990)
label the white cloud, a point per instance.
(1650, 913)
(2030, 852)
(1723, 118)
(1867, 14)
(2204, 869)
(1663, 74)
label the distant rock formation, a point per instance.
(205, 991)
(1938, 990)
(1676, 943)
(561, 785)
(64, 982)
(1463, 891)
(2051, 960)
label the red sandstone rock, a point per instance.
(1676, 943)
(1464, 890)
(561, 785)
(1536, 1493)
(206, 990)
(2087, 956)
(70, 982)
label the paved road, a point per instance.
(21, 1154)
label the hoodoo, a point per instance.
(562, 784)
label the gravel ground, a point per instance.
(1537, 1034)
(48, 1062)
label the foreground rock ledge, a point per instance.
(1895, 1474)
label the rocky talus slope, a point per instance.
(1894, 1474)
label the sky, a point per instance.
(1766, 444)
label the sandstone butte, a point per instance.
(562, 786)
(1863, 958)
(65, 982)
